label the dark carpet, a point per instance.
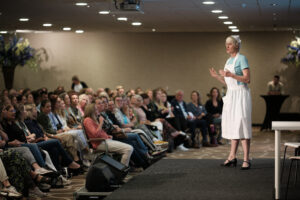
(187, 179)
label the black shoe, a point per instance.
(232, 162)
(246, 168)
(44, 187)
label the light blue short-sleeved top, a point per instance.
(240, 64)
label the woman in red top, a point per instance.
(93, 128)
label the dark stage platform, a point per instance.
(187, 179)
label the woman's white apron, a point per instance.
(236, 115)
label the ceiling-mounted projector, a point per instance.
(128, 5)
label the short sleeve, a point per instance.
(244, 63)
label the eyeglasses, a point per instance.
(13, 111)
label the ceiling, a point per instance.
(161, 15)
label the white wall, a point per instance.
(171, 60)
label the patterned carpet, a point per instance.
(262, 146)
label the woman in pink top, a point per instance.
(93, 128)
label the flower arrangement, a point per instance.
(19, 52)
(293, 55)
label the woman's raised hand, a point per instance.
(213, 72)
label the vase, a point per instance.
(8, 75)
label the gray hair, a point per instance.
(235, 39)
(138, 97)
(177, 91)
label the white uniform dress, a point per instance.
(236, 115)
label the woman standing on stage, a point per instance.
(236, 115)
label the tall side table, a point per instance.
(273, 106)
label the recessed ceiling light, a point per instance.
(67, 28)
(104, 12)
(136, 23)
(23, 19)
(122, 18)
(208, 2)
(227, 22)
(79, 31)
(81, 4)
(3, 32)
(42, 31)
(235, 30)
(273, 4)
(223, 17)
(47, 25)
(153, 30)
(232, 27)
(24, 31)
(216, 11)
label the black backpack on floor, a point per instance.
(99, 178)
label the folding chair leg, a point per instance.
(282, 169)
(287, 186)
(296, 172)
(295, 181)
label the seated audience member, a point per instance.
(13, 92)
(139, 90)
(21, 99)
(29, 99)
(153, 114)
(201, 119)
(129, 120)
(110, 111)
(99, 91)
(59, 122)
(93, 127)
(140, 154)
(13, 100)
(107, 91)
(120, 90)
(24, 151)
(78, 85)
(43, 95)
(52, 146)
(121, 112)
(275, 87)
(22, 177)
(149, 92)
(16, 136)
(73, 109)
(67, 140)
(7, 190)
(165, 105)
(26, 91)
(5, 100)
(4, 92)
(214, 107)
(160, 104)
(59, 90)
(70, 118)
(82, 102)
(90, 94)
(183, 120)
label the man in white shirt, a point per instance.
(275, 87)
(78, 85)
